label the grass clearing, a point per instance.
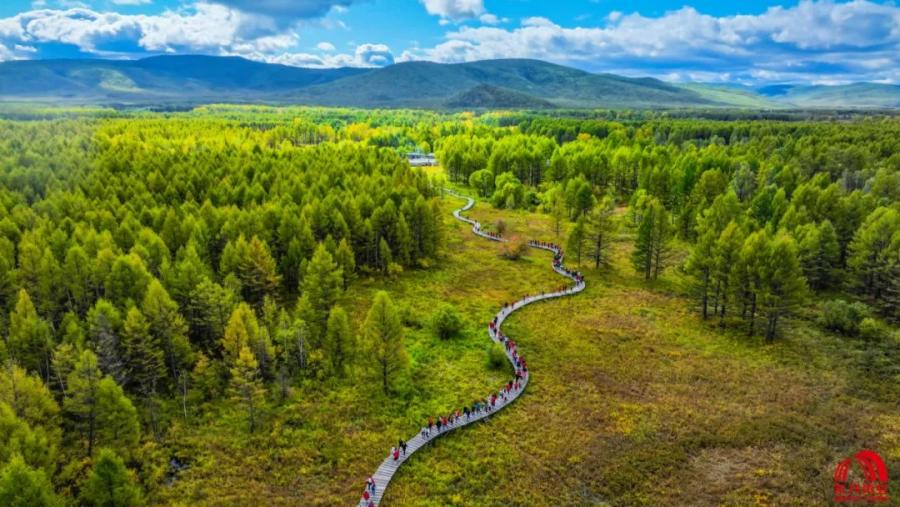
(634, 401)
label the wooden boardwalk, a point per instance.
(389, 466)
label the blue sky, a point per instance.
(752, 42)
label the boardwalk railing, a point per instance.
(389, 466)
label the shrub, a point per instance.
(843, 317)
(446, 322)
(496, 357)
(514, 248)
(871, 329)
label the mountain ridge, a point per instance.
(486, 84)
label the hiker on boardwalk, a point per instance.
(402, 446)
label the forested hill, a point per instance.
(493, 84)
(496, 84)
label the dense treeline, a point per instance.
(774, 209)
(148, 266)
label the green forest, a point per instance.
(236, 303)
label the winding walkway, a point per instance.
(389, 466)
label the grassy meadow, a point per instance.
(634, 400)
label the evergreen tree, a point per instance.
(110, 484)
(384, 339)
(246, 386)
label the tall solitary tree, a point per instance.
(384, 338)
(577, 239)
(600, 228)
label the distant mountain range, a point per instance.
(494, 84)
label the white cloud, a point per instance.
(859, 37)
(454, 9)
(325, 46)
(290, 9)
(489, 19)
(131, 2)
(364, 55)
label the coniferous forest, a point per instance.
(236, 303)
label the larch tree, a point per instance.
(30, 340)
(601, 226)
(246, 386)
(320, 290)
(339, 342)
(23, 486)
(109, 483)
(782, 287)
(577, 240)
(384, 340)
(652, 241)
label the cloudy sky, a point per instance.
(751, 41)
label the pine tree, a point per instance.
(246, 386)
(600, 228)
(338, 341)
(577, 239)
(384, 338)
(110, 484)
